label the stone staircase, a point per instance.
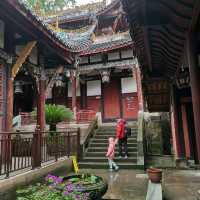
(94, 156)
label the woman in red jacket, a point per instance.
(121, 136)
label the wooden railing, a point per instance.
(20, 150)
(90, 133)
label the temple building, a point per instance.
(166, 36)
(83, 57)
(106, 81)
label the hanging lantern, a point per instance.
(105, 75)
(183, 79)
(18, 87)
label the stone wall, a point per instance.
(157, 134)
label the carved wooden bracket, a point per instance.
(22, 57)
(52, 81)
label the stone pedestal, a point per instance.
(154, 191)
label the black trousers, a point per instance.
(123, 146)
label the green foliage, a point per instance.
(47, 6)
(55, 113)
(54, 188)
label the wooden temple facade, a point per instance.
(27, 47)
(106, 76)
(166, 41)
(83, 60)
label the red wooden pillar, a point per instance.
(41, 105)
(74, 108)
(137, 75)
(195, 88)
(174, 126)
(9, 107)
(186, 132)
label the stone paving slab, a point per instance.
(124, 184)
(181, 184)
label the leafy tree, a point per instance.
(48, 6)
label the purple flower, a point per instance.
(66, 193)
(69, 188)
(85, 196)
(77, 197)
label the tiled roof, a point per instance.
(75, 42)
(4, 55)
(109, 44)
(82, 13)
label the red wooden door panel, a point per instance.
(111, 100)
(130, 106)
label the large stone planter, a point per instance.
(95, 190)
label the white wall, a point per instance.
(2, 34)
(94, 88)
(84, 60)
(114, 56)
(33, 58)
(78, 92)
(128, 85)
(127, 53)
(96, 58)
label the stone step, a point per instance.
(104, 144)
(114, 130)
(104, 149)
(103, 154)
(105, 140)
(117, 159)
(107, 136)
(104, 165)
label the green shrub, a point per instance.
(55, 114)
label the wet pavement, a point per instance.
(132, 184)
(124, 184)
(181, 185)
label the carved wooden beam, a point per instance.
(22, 57)
(52, 81)
(115, 24)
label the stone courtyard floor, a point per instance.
(124, 184)
(181, 184)
(132, 184)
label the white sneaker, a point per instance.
(126, 157)
(116, 168)
(111, 170)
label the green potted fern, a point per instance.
(55, 114)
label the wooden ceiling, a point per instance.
(159, 30)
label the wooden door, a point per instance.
(130, 106)
(111, 100)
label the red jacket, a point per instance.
(120, 129)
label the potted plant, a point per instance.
(53, 115)
(155, 175)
